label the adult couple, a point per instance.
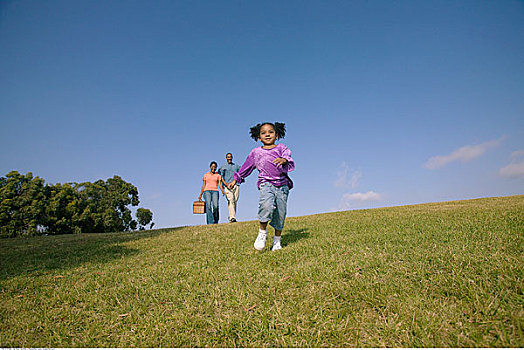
(214, 180)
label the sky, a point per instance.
(386, 103)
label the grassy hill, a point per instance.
(432, 275)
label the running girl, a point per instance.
(273, 162)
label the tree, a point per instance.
(106, 205)
(28, 206)
(22, 204)
(144, 216)
(63, 209)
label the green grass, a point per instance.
(432, 275)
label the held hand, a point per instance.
(232, 184)
(280, 161)
(200, 198)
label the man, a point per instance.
(227, 171)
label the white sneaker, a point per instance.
(260, 242)
(276, 246)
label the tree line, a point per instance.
(29, 206)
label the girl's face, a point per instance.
(213, 168)
(268, 135)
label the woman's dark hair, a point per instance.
(280, 129)
(213, 162)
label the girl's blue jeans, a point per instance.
(211, 199)
(272, 205)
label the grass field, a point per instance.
(432, 275)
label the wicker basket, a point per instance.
(199, 207)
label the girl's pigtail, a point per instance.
(254, 132)
(280, 129)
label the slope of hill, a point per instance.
(433, 275)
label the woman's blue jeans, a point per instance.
(211, 199)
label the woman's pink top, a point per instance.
(212, 181)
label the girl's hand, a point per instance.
(200, 198)
(280, 161)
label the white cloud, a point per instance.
(355, 178)
(516, 168)
(344, 180)
(513, 170)
(516, 154)
(362, 197)
(350, 200)
(463, 154)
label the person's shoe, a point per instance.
(276, 246)
(233, 220)
(260, 242)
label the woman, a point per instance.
(212, 180)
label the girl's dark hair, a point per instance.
(213, 162)
(280, 129)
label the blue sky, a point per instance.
(386, 102)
